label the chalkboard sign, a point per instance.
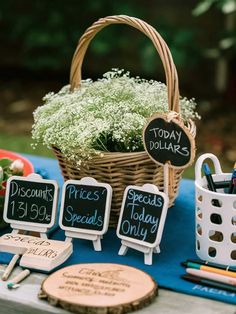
(142, 215)
(168, 142)
(31, 201)
(85, 206)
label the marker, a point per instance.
(207, 173)
(212, 270)
(10, 267)
(21, 276)
(233, 181)
(208, 282)
(211, 276)
(197, 261)
(221, 184)
(210, 182)
(216, 218)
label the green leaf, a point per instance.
(229, 6)
(6, 176)
(5, 162)
(1, 175)
(227, 43)
(202, 7)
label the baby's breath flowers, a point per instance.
(106, 115)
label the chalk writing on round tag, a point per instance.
(168, 142)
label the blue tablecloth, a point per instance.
(178, 243)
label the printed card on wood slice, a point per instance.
(99, 288)
(167, 140)
(85, 210)
(31, 203)
(142, 220)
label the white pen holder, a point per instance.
(215, 216)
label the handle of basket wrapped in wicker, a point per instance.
(149, 31)
(169, 68)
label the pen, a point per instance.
(211, 276)
(209, 282)
(211, 269)
(200, 262)
(233, 180)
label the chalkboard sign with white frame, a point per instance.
(142, 219)
(85, 209)
(30, 203)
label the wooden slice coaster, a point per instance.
(99, 288)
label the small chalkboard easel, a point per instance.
(30, 206)
(142, 220)
(85, 210)
(30, 203)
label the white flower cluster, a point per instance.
(106, 115)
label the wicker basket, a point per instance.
(122, 169)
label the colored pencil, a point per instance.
(211, 269)
(208, 282)
(211, 276)
(197, 261)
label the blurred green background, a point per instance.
(38, 39)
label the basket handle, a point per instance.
(149, 31)
(199, 162)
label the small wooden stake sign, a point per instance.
(99, 288)
(142, 220)
(85, 210)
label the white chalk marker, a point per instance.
(10, 267)
(21, 276)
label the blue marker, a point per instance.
(210, 182)
(208, 175)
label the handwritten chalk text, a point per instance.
(73, 218)
(76, 192)
(139, 220)
(168, 141)
(21, 191)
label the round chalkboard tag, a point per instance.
(99, 288)
(167, 140)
